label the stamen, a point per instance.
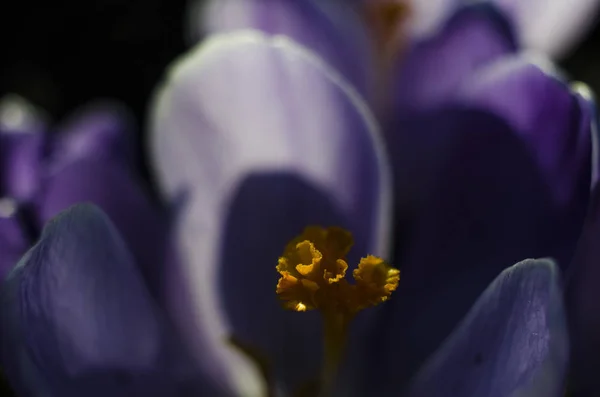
(313, 269)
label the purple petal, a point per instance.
(262, 138)
(427, 16)
(489, 204)
(513, 341)
(78, 319)
(119, 193)
(100, 130)
(21, 161)
(555, 123)
(528, 198)
(333, 29)
(552, 27)
(434, 68)
(22, 141)
(583, 304)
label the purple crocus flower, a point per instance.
(258, 133)
(88, 157)
(491, 154)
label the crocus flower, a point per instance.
(90, 156)
(257, 134)
(491, 154)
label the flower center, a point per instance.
(313, 269)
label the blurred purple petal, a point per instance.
(488, 205)
(333, 29)
(427, 16)
(117, 191)
(13, 241)
(555, 123)
(583, 304)
(513, 341)
(262, 138)
(515, 193)
(77, 318)
(21, 162)
(100, 130)
(431, 71)
(553, 27)
(22, 140)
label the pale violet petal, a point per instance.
(513, 342)
(553, 27)
(248, 104)
(333, 29)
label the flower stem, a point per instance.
(335, 328)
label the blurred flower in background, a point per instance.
(552, 27)
(491, 156)
(468, 157)
(89, 156)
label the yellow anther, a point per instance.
(313, 276)
(375, 281)
(313, 269)
(309, 258)
(295, 292)
(339, 272)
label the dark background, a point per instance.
(60, 55)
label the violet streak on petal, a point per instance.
(513, 342)
(77, 318)
(260, 136)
